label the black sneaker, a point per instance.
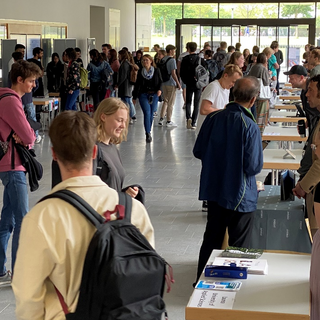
(148, 137)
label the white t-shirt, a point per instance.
(218, 96)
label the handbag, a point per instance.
(4, 145)
(265, 91)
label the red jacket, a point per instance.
(12, 117)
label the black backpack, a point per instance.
(162, 66)
(123, 276)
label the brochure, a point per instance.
(219, 285)
(255, 266)
(236, 252)
(212, 299)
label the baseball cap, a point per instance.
(299, 70)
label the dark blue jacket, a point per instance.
(230, 149)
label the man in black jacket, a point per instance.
(187, 74)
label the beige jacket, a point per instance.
(53, 244)
(312, 178)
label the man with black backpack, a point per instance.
(188, 76)
(55, 236)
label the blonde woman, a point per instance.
(112, 119)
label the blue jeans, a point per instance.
(71, 100)
(148, 109)
(30, 109)
(15, 207)
(128, 101)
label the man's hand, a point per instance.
(132, 192)
(298, 191)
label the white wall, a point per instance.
(76, 13)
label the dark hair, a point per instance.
(317, 80)
(54, 55)
(274, 45)
(104, 56)
(77, 49)
(19, 46)
(113, 55)
(192, 46)
(139, 51)
(73, 136)
(125, 48)
(24, 69)
(262, 58)
(124, 54)
(36, 50)
(95, 55)
(230, 48)
(107, 45)
(245, 89)
(208, 53)
(71, 54)
(17, 55)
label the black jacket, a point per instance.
(187, 69)
(147, 86)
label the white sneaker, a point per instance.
(161, 122)
(38, 140)
(171, 124)
(131, 121)
(189, 123)
(6, 279)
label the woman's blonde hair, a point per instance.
(108, 107)
(268, 51)
(150, 58)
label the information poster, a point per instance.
(212, 299)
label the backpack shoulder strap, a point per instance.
(126, 201)
(76, 201)
(99, 161)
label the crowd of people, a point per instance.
(229, 116)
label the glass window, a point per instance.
(248, 10)
(201, 10)
(156, 24)
(317, 35)
(297, 10)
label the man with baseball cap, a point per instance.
(298, 78)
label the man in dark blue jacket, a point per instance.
(230, 149)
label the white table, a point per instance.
(285, 116)
(282, 294)
(277, 133)
(273, 159)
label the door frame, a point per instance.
(230, 22)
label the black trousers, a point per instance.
(98, 92)
(218, 219)
(190, 91)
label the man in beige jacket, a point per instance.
(55, 236)
(307, 183)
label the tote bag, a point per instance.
(265, 91)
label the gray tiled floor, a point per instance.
(169, 174)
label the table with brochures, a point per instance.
(282, 294)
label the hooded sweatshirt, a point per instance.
(12, 117)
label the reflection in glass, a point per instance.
(297, 10)
(155, 23)
(248, 10)
(201, 10)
